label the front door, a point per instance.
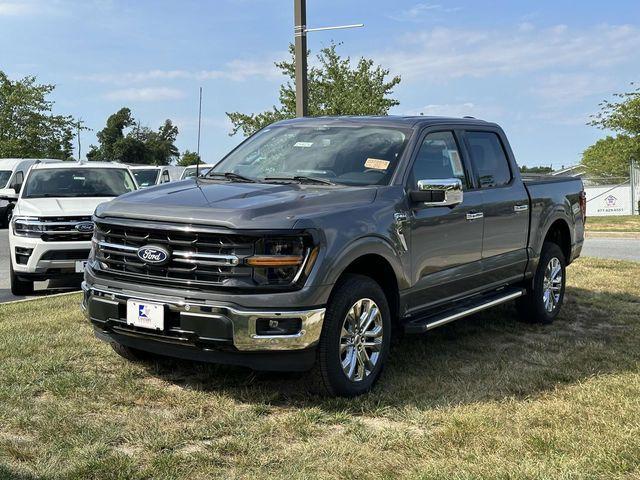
(446, 242)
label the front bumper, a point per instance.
(200, 326)
(47, 258)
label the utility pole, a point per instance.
(300, 31)
(199, 124)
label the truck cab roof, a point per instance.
(412, 121)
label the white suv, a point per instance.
(51, 228)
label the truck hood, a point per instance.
(236, 205)
(58, 207)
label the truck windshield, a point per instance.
(4, 177)
(351, 155)
(146, 177)
(78, 182)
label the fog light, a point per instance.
(278, 326)
(22, 255)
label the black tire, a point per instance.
(329, 374)
(131, 354)
(19, 287)
(532, 307)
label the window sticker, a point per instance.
(303, 144)
(456, 163)
(376, 164)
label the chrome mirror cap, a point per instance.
(450, 187)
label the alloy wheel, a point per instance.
(361, 339)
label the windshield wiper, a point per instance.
(232, 176)
(300, 179)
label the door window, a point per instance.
(165, 177)
(18, 179)
(490, 159)
(437, 158)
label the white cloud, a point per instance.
(420, 11)
(457, 110)
(149, 94)
(567, 88)
(441, 54)
(236, 70)
(15, 9)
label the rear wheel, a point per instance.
(355, 339)
(545, 294)
(18, 286)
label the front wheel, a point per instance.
(545, 294)
(355, 339)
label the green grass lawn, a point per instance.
(622, 223)
(484, 397)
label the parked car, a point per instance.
(306, 243)
(190, 171)
(148, 175)
(51, 228)
(12, 173)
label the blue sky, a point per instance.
(539, 68)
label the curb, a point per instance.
(22, 300)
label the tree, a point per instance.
(542, 170)
(28, 128)
(189, 158)
(335, 88)
(139, 145)
(612, 156)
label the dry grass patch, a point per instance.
(484, 397)
(622, 223)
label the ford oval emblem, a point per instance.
(84, 227)
(153, 255)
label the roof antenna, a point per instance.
(199, 123)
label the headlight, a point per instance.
(27, 226)
(281, 261)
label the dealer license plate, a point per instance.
(145, 315)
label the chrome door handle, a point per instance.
(520, 208)
(474, 215)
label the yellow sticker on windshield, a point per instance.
(376, 164)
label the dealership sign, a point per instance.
(608, 200)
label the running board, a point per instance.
(423, 324)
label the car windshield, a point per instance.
(146, 177)
(190, 172)
(78, 182)
(351, 155)
(4, 177)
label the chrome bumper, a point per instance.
(245, 337)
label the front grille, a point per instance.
(198, 258)
(63, 229)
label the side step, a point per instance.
(423, 324)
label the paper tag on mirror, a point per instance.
(376, 164)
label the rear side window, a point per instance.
(489, 158)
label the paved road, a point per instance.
(616, 248)
(41, 288)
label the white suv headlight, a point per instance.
(27, 226)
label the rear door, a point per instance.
(505, 209)
(446, 242)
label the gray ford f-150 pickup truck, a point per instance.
(303, 246)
